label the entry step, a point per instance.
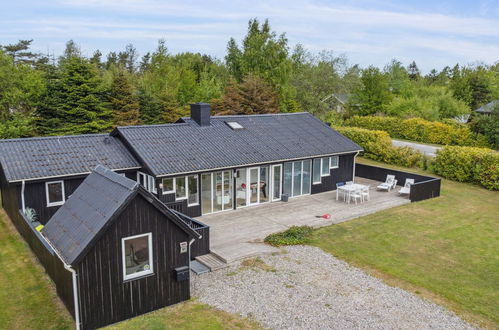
(198, 267)
(212, 261)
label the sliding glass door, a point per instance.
(296, 178)
(216, 191)
(276, 175)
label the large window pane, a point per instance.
(55, 193)
(206, 191)
(180, 187)
(254, 185)
(137, 256)
(218, 195)
(307, 166)
(287, 179)
(227, 190)
(264, 184)
(297, 178)
(333, 160)
(317, 170)
(192, 181)
(241, 187)
(168, 185)
(325, 166)
(276, 185)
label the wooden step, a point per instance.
(212, 261)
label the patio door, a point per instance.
(216, 192)
(296, 180)
(254, 183)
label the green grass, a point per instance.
(292, 236)
(445, 248)
(28, 299)
(187, 315)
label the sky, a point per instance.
(369, 32)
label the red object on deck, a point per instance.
(326, 216)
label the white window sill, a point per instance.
(168, 192)
(137, 276)
(195, 204)
(55, 204)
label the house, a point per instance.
(148, 184)
(488, 108)
(127, 252)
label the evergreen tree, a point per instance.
(252, 96)
(413, 71)
(123, 103)
(20, 52)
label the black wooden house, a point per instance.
(127, 252)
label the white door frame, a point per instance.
(271, 185)
(248, 186)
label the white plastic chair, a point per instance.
(349, 183)
(406, 189)
(365, 193)
(356, 194)
(388, 184)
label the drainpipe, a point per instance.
(190, 243)
(75, 284)
(354, 158)
(23, 205)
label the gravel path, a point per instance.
(307, 288)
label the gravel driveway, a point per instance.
(307, 288)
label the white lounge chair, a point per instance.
(389, 183)
(406, 189)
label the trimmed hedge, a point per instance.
(377, 145)
(467, 164)
(417, 129)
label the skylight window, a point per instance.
(234, 125)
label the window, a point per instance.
(180, 189)
(333, 162)
(55, 193)
(192, 190)
(234, 125)
(168, 186)
(137, 256)
(147, 182)
(317, 171)
(325, 166)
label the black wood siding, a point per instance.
(104, 297)
(343, 173)
(180, 205)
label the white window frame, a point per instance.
(59, 203)
(123, 258)
(328, 166)
(320, 170)
(150, 184)
(187, 189)
(331, 163)
(166, 192)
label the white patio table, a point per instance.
(348, 189)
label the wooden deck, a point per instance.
(239, 234)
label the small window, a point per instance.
(137, 256)
(234, 125)
(325, 166)
(192, 182)
(180, 192)
(168, 186)
(333, 162)
(317, 171)
(55, 193)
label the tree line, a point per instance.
(74, 94)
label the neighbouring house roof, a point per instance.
(42, 157)
(91, 209)
(186, 147)
(488, 107)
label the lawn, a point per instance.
(445, 249)
(29, 301)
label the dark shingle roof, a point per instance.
(187, 147)
(91, 208)
(32, 158)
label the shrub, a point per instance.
(377, 145)
(293, 236)
(417, 129)
(468, 164)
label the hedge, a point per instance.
(377, 145)
(417, 129)
(468, 164)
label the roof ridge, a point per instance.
(102, 171)
(154, 125)
(53, 137)
(256, 115)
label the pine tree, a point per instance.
(413, 71)
(123, 103)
